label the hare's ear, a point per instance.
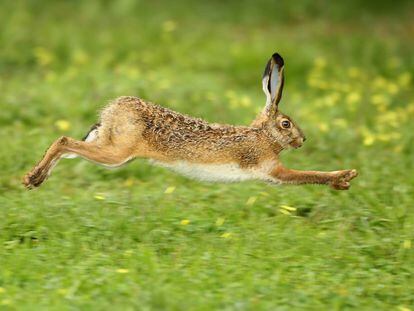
(273, 82)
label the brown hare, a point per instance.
(130, 127)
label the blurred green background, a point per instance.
(141, 237)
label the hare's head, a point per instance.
(278, 125)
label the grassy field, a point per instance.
(143, 238)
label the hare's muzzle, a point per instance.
(298, 142)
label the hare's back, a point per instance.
(135, 110)
(172, 136)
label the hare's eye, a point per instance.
(285, 124)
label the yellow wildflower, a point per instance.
(323, 85)
(382, 108)
(233, 99)
(369, 139)
(6, 302)
(62, 125)
(379, 82)
(323, 127)
(353, 97)
(164, 84)
(129, 182)
(380, 101)
(398, 149)
(320, 63)
(220, 221)
(340, 122)
(354, 72)
(122, 271)
(128, 252)
(331, 99)
(342, 291)
(392, 88)
(169, 190)
(225, 235)
(288, 208)
(391, 118)
(384, 137)
(250, 201)
(80, 57)
(312, 81)
(245, 101)
(407, 244)
(43, 56)
(50, 76)
(99, 197)
(169, 26)
(185, 222)
(62, 291)
(395, 135)
(316, 81)
(133, 73)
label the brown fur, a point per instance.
(130, 127)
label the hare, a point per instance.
(130, 127)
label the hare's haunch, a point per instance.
(130, 128)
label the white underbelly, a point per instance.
(229, 172)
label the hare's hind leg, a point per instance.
(101, 153)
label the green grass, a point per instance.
(94, 239)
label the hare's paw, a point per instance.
(34, 178)
(342, 179)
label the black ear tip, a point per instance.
(278, 59)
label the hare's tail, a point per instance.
(92, 133)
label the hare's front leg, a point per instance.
(338, 180)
